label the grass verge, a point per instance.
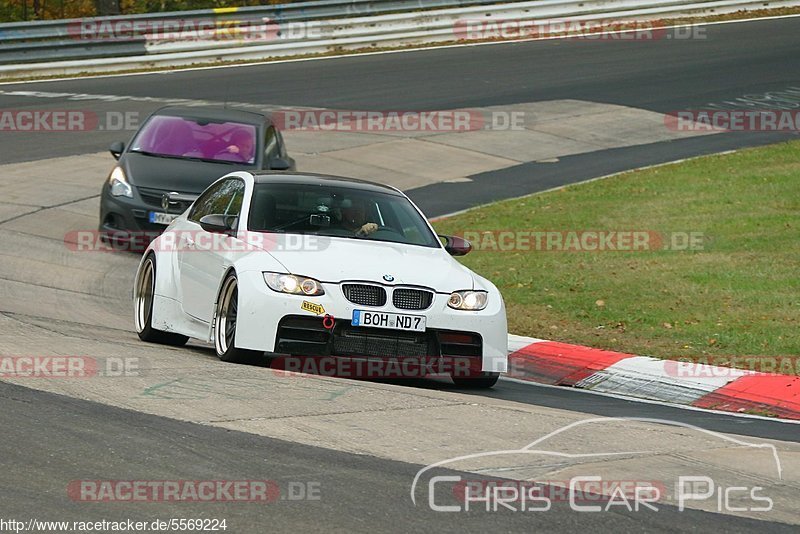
(733, 299)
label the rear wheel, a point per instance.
(225, 320)
(476, 380)
(145, 290)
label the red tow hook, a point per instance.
(328, 322)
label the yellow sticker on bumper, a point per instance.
(317, 309)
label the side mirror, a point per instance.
(217, 223)
(456, 246)
(279, 164)
(116, 149)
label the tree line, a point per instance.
(22, 10)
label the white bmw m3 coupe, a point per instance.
(319, 266)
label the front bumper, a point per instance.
(274, 322)
(126, 220)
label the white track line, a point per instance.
(660, 403)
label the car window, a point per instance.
(234, 207)
(224, 198)
(196, 138)
(281, 144)
(406, 221)
(271, 145)
(338, 211)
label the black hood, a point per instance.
(173, 174)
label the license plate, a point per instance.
(162, 218)
(395, 321)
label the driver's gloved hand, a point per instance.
(366, 229)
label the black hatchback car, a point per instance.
(173, 157)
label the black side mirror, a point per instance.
(116, 149)
(217, 223)
(279, 164)
(456, 246)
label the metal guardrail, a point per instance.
(61, 47)
(52, 40)
(62, 32)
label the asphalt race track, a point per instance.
(734, 60)
(359, 492)
(190, 417)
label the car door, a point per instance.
(203, 259)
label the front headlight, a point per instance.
(468, 300)
(295, 285)
(119, 184)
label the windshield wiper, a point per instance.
(211, 160)
(156, 154)
(189, 158)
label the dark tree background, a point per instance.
(106, 7)
(20, 10)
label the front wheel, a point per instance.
(143, 296)
(225, 324)
(477, 380)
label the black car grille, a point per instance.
(295, 329)
(384, 343)
(364, 294)
(460, 344)
(152, 197)
(411, 299)
(306, 336)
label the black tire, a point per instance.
(143, 314)
(225, 324)
(478, 380)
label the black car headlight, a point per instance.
(119, 184)
(294, 285)
(468, 300)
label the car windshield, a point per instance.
(338, 211)
(192, 138)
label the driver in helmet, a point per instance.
(354, 218)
